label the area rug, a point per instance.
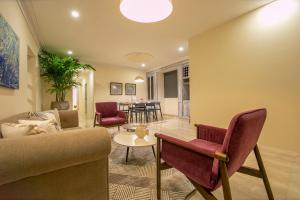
(136, 179)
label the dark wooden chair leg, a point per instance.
(189, 195)
(263, 173)
(153, 151)
(160, 112)
(155, 114)
(118, 128)
(225, 181)
(127, 152)
(205, 194)
(136, 117)
(158, 174)
(146, 116)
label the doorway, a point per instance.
(83, 98)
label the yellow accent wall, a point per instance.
(27, 97)
(251, 62)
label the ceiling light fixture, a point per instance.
(180, 49)
(69, 52)
(139, 79)
(143, 65)
(75, 14)
(146, 11)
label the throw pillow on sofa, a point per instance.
(47, 125)
(47, 115)
(11, 130)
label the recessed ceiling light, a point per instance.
(75, 14)
(143, 65)
(180, 49)
(146, 11)
(70, 52)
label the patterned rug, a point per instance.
(136, 179)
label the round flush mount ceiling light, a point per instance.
(146, 11)
(69, 52)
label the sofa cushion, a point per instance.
(68, 119)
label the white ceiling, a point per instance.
(103, 35)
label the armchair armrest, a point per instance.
(35, 155)
(98, 113)
(192, 147)
(210, 133)
(98, 117)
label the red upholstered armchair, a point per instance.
(211, 159)
(107, 115)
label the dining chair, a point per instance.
(124, 107)
(217, 154)
(158, 108)
(139, 111)
(151, 111)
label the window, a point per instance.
(150, 85)
(170, 84)
(185, 71)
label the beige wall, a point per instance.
(170, 106)
(251, 62)
(15, 101)
(105, 74)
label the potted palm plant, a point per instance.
(61, 73)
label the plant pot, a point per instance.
(62, 105)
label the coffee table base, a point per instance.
(127, 152)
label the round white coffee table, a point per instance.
(131, 140)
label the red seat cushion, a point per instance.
(110, 121)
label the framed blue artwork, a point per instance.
(9, 56)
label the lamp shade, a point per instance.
(139, 79)
(146, 11)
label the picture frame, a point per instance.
(130, 89)
(9, 56)
(116, 88)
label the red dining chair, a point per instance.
(211, 159)
(108, 115)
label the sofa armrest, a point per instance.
(210, 133)
(35, 155)
(69, 118)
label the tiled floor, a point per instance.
(283, 167)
